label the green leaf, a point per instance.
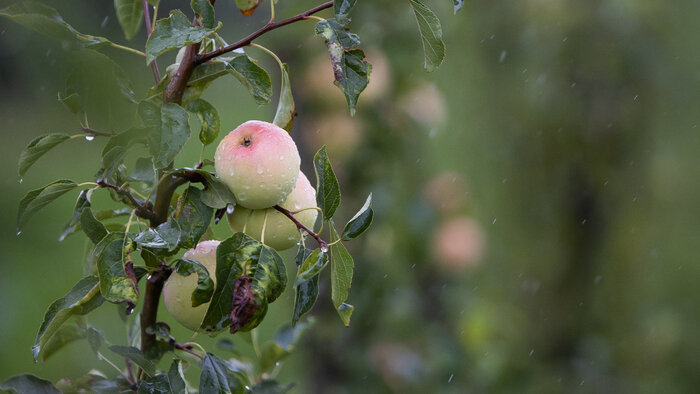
(25, 383)
(217, 377)
(95, 338)
(110, 162)
(92, 227)
(39, 198)
(82, 203)
(263, 265)
(81, 299)
(144, 171)
(205, 285)
(286, 109)
(48, 21)
(115, 285)
(37, 147)
(64, 336)
(125, 139)
(158, 384)
(193, 217)
(205, 12)
(286, 339)
(252, 76)
(327, 187)
(130, 15)
(342, 9)
(341, 277)
(458, 5)
(71, 101)
(312, 266)
(269, 386)
(247, 7)
(208, 118)
(96, 77)
(135, 355)
(350, 69)
(306, 292)
(176, 378)
(430, 34)
(360, 222)
(168, 130)
(174, 32)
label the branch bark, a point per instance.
(323, 244)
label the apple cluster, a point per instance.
(259, 162)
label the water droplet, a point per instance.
(230, 208)
(260, 169)
(451, 377)
(89, 137)
(281, 157)
(502, 58)
(532, 351)
(21, 180)
(148, 277)
(19, 232)
(324, 249)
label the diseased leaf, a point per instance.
(168, 130)
(39, 198)
(174, 32)
(342, 266)
(92, 227)
(305, 293)
(286, 109)
(327, 187)
(130, 15)
(247, 7)
(360, 222)
(37, 147)
(25, 383)
(81, 299)
(205, 12)
(205, 285)
(430, 34)
(115, 285)
(135, 355)
(312, 266)
(208, 118)
(350, 69)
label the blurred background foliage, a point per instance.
(535, 198)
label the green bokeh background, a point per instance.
(563, 132)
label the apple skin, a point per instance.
(177, 292)
(280, 232)
(259, 162)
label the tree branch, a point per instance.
(147, 20)
(141, 211)
(149, 313)
(323, 244)
(269, 27)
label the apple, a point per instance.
(280, 232)
(259, 162)
(177, 292)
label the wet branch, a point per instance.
(323, 244)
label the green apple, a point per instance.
(177, 292)
(280, 232)
(259, 162)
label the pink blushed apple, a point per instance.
(259, 162)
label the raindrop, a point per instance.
(21, 180)
(148, 277)
(324, 249)
(532, 351)
(583, 221)
(104, 22)
(413, 266)
(564, 39)
(502, 58)
(19, 232)
(494, 221)
(89, 137)
(451, 377)
(636, 97)
(598, 279)
(230, 208)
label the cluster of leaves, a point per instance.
(249, 274)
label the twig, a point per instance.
(269, 27)
(92, 131)
(188, 349)
(141, 211)
(323, 244)
(147, 20)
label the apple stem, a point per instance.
(323, 244)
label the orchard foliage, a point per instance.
(162, 210)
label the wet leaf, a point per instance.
(92, 227)
(342, 266)
(39, 198)
(168, 130)
(342, 9)
(360, 222)
(135, 355)
(205, 12)
(130, 16)
(74, 222)
(205, 285)
(174, 32)
(37, 148)
(115, 285)
(327, 187)
(312, 266)
(217, 377)
(208, 118)
(430, 34)
(65, 335)
(25, 383)
(305, 293)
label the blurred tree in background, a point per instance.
(535, 197)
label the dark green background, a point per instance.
(571, 126)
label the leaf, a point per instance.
(82, 203)
(36, 199)
(205, 12)
(341, 277)
(176, 377)
(247, 7)
(269, 386)
(217, 377)
(430, 34)
(37, 147)
(360, 222)
(327, 187)
(135, 355)
(48, 21)
(193, 217)
(111, 162)
(168, 130)
(205, 285)
(71, 101)
(208, 118)
(306, 292)
(130, 15)
(25, 383)
(263, 266)
(350, 70)
(174, 32)
(92, 227)
(159, 384)
(144, 171)
(97, 78)
(286, 109)
(458, 5)
(115, 285)
(64, 336)
(312, 266)
(125, 139)
(342, 9)
(252, 76)
(81, 299)
(285, 341)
